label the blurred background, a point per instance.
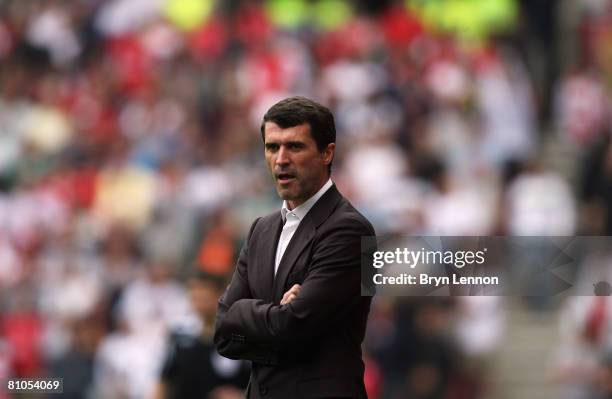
(130, 157)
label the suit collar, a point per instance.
(324, 207)
(302, 210)
(269, 236)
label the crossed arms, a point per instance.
(251, 329)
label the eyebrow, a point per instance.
(287, 143)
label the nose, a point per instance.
(282, 158)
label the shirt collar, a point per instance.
(302, 210)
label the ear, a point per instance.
(328, 153)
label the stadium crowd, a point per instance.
(130, 157)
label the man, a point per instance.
(294, 306)
(192, 368)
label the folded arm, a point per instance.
(331, 289)
(234, 345)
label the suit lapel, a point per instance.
(302, 238)
(269, 241)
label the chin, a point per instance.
(284, 194)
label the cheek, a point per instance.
(270, 161)
(306, 162)
(309, 166)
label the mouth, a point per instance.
(284, 178)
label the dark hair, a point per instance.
(294, 111)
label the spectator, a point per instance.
(127, 125)
(192, 367)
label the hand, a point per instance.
(226, 392)
(291, 294)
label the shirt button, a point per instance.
(263, 390)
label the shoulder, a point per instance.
(345, 215)
(262, 223)
(268, 219)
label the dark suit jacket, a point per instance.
(310, 348)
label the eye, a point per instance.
(271, 147)
(295, 146)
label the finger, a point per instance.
(286, 294)
(294, 290)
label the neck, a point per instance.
(292, 204)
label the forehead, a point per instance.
(273, 132)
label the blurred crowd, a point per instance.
(130, 157)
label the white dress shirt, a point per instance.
(292, 219)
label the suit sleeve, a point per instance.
(232, 344)
(330, 290)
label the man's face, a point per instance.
(298, 168)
